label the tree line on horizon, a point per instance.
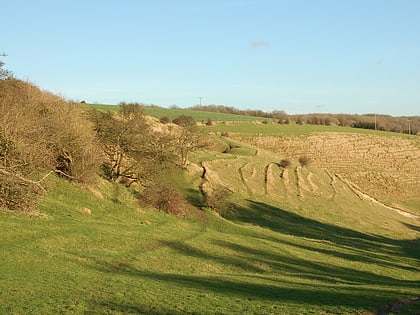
(402, 124)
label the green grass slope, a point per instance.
(172, 113)
(264, 260)
(300, 240)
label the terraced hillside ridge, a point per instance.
(306, 190)
(386, 168)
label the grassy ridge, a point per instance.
(172, 113)
(292, 129)
(246, 124)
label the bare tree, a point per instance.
(4, 73)
(134, 153)
(187, 140)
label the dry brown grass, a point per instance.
(387, 168)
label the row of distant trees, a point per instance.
(369, 121)
(407, 125)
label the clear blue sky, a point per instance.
(338, 56)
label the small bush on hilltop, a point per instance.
(165, 120)
(184, 121)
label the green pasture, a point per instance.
(261, 259)
(171, 113)
(253, 128)
(246, 124)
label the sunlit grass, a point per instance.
(247, 128)
(171, 113)
(264, 260)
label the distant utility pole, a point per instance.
(200, 97)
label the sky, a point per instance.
(300, 56)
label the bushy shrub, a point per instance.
(285, 163)
(40, 134)
(184, 121)
(165, 199)
(17, 193)
(304, 160)
(218, 199)
(165, 120)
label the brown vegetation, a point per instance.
(285, 163)
(218, 199)
(384, 167)
(165, 199)
(304, 160)
(135, 154)
(40, 134)
(187, 138)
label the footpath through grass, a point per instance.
(123, 260)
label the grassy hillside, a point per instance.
(295, 240)
(385, 165)
(265, 260)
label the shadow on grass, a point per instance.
(267, 274)
(194, 197)
(253, 289)
(113, 307)
(286, 222)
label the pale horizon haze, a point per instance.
(299, 56)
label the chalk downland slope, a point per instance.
(384, 167)
(310, 191)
